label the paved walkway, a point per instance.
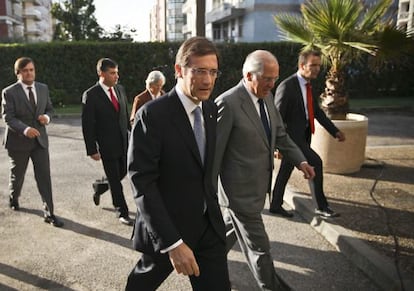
(92, 251)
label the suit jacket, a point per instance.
(289, 101)
(18, 115)
(170, 183)
(140, 100)
(244, 156)
(104, 129)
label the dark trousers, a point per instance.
(210, 253)
(316, 185)
(41, 167)
(115, 171)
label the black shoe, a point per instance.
(326, 213)
(14, 204)
(51, 219)
(280, 211)
(125, 220)
(96, 198)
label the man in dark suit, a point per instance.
(249, 128)
(153, 89)
(27, 110)
(105, 128)
(179, 225)
(291, 100)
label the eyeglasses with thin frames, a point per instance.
(201, 72)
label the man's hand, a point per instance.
(32, 132)
(96, 156)
(340, 136)
(183, 260)
(308, 171)
(43, 120)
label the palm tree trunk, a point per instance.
(334, 100)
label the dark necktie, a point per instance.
(31, 98)
(309, 101)
(114, 100)
(199, 132)
(263, 117)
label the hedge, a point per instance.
(69, 68)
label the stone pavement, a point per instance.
(92, 251)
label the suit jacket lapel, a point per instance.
(209, 125)
(251, 112)
(180, 119)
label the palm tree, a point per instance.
(344, 31)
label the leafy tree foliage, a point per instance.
(346, 31)
(76, 20)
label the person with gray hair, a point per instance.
(246, 112)
(154, 83)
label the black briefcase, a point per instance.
(100, 186)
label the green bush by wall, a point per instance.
(69, 68)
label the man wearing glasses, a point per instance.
(170, 160)
(249, 129)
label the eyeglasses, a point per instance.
(200, 72)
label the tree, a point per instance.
(345, 31)
(119, 33)
(76, 20)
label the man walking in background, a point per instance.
(27, 109)
(105, 128)
(298, 108)
(153, 89)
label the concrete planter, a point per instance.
(342, 157)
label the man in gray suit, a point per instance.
(26, 109)
(249, 129)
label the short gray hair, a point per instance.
(155, 77)
(254, 62)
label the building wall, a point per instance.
(245, 20)
(26, 20)
(11, 22)
(405, 18)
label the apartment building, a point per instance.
(245, 20)
(26, 20)
(194, 18)
(405, 18)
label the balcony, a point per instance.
(33, 14)
(405, 15)
(35, 2)
(34, 31)
(224, 13)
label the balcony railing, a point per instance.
(223, 13)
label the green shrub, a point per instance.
(69, 68)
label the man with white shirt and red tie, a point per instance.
(298, 109)
(105, 128)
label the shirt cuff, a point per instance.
(163, 251)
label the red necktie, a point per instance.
(309, 102)
(114, 100)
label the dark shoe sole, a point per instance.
(96, 199)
